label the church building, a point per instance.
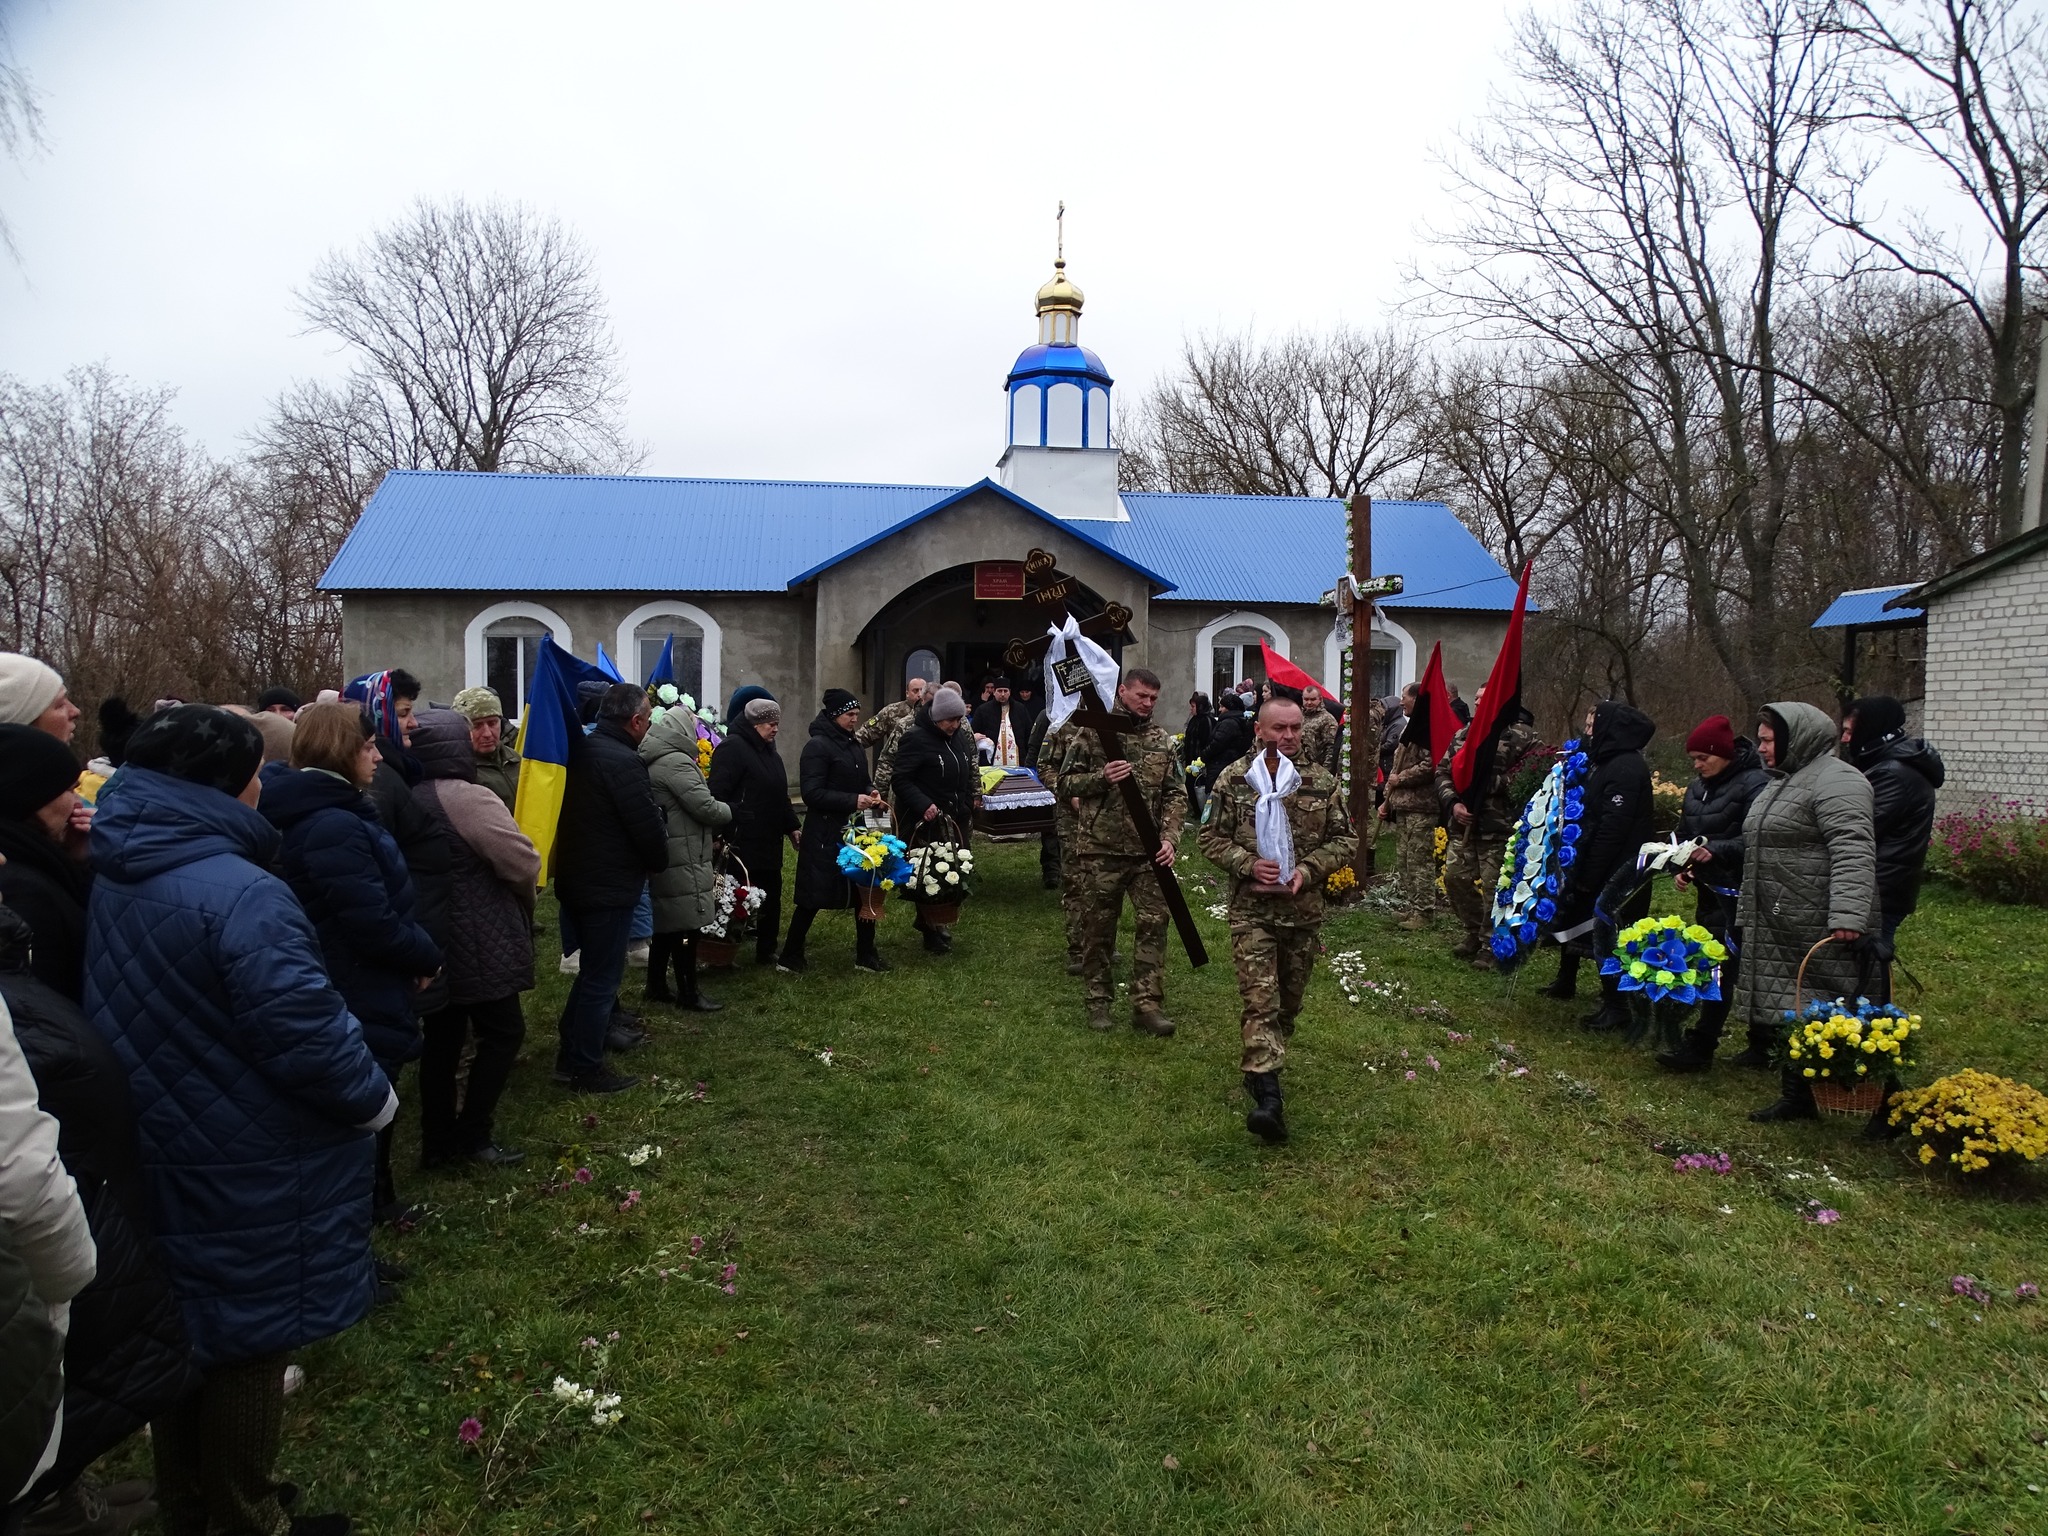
(804, 586)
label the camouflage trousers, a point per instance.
(1099, 882)
(1471, 868)
(1065, 826)
(1273, 964)
(1415, 862)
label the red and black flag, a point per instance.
(1499, 708)
(1282, 673)
(1431, 722)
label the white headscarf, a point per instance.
(1275, 836)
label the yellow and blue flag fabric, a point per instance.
(546, 733)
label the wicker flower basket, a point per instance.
(1857, 1101)
(717, 951)
(936, 914)
(716, 954)
(939, 914)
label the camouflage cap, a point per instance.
(478, 704)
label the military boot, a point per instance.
(1150, 1021)
(1267, 1119)
(1098, 1018)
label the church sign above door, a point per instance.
(998, 581)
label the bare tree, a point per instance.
(1963, 85)
(1306, 416)
(21, 120)
(1634, 213)
(482, 343)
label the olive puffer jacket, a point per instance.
(1714, 809)
(682, 892)
(1808, 868)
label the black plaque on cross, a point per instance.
(1074, 677)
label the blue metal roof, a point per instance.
(1864, 607)
(448, 530)
(1068, 529)
(1289, 549)
(1058, 358)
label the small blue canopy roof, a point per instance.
(1864, 608)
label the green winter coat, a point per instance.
(1324, 842)
(499, 773)
(1809, 866)
(682, 892)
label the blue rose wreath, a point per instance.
(1543, 844)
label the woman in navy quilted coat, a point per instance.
(350, 877)
(255, 1097)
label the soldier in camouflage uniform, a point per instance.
(1275, 914)
(1318, 731)
(1056, 848)
(886, 729)
(1478, 841)
(1109, 859)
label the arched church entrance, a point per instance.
(957, 623)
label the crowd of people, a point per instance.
(225, 938)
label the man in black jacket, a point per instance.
(1904, 772)
(610, 839)
(1716, 805)
(1596, 897)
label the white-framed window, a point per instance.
(1234, 655)
(699, 646)
(501, 646)
(923, 662)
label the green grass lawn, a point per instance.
(997, 1273)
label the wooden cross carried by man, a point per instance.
(1074, 677)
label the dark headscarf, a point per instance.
(199, 744)
(35, 768)
(440, 741)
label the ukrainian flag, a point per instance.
(545, 734)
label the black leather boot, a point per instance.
(1612, 1014)
(661, 948)
(1693, 1053)
(1266, 1120)
(1566, 986)
(1757, 1054)
(865, 956)
(693, 1001)
(1794, 1101)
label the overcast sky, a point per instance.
(819, 226)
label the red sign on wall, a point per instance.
(999, 581)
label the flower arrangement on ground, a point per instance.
(1541, 847)
(941, 874)
(1844, 1042)
(1972, 1119)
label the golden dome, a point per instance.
(1059, 294)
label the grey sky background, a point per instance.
(819, 226)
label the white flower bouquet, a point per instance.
(941, 874)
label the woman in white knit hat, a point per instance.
(31, 693)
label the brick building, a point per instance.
(1987, 672)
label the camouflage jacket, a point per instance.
(1105, 823)
(1318, 738)
(1496, 818)
(883, 731)
(1323, 842)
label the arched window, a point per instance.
(1024, 415)
(644, 631)
(1098, 418)
(501, 646)
(1227, 651)
(922, 662)
(1063, 416)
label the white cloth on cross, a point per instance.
(1275, 835)
(1067, 640)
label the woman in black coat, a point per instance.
(747, 774)
(126, 1359)
(833, 772)
(1617, 821)
(1730, 774)
(46, 878)
(936, 775)
(352, 881)
(1230, 738)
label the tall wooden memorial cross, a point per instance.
(1074, 677)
